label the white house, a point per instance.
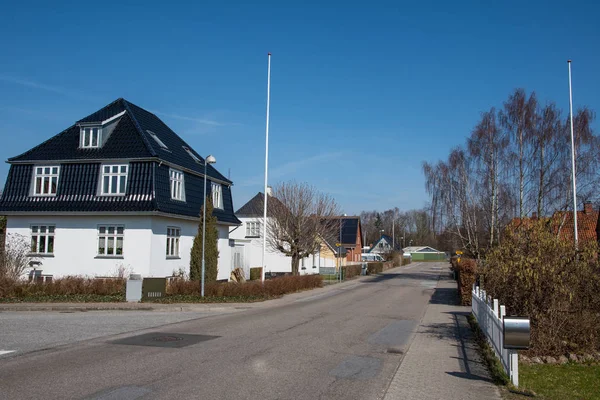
(117, 188)
(247, 241)
(383, 245)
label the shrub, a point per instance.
(255, 289)
(14, 260)
(374, 268)
(351, 271)
(255, 273)
(212, 253)
(536, 274)
(406, 260)
(466, 275)
(60, 289)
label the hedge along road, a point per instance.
(343, 343)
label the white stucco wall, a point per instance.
(144, 246)
(275, 261)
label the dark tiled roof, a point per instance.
(255, 206)
(77, 191)
(148, 187)
(130, 139)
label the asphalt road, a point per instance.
(342, 342)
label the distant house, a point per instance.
(349, 235)
(384, 245)
(330, 256)
(561, 223)
(247, 242)
(587, 224)
(424, 253)
(117, 188)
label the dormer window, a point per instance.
(45, 180)
(91, 137)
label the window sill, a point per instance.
(178, 200)
(252, 237)
(173, 258)
(43, 195)
(44, 255)
(112, 195)
(119, 257)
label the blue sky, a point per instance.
(362, 93)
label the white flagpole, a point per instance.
(266, 195)
(573, 156)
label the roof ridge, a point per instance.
(138, 126)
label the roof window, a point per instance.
(157, 140)
(195, 157)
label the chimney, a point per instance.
(269, 191)
(588, 208)
(534, 215)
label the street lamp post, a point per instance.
(209, 160)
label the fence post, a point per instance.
(514, 367)
(496, 308)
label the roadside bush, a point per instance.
(256, 290)
(406, 260)
(374, 268)
(351, 271)
(63, 289)
(536, 274)
(466, 276)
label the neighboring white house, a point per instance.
(117, 189)
(383, 245)
(247, 247)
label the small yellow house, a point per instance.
(329, 255)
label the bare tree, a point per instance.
(14, 260)
(298, 219)
(518, 118)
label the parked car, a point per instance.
(371, 257)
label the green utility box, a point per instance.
(153, 288)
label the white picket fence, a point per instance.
(489, 316)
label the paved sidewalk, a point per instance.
(442, 361)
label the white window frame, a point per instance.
(45, 175)
(111, 174)
(177, 184)
(110, 234)
(216, 191)
(173, 241)
(41, 236)
(86, 137)
(253, 229)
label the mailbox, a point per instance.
(517, 332)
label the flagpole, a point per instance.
(266, 195)
(573, 156)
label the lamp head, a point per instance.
(211, 159)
